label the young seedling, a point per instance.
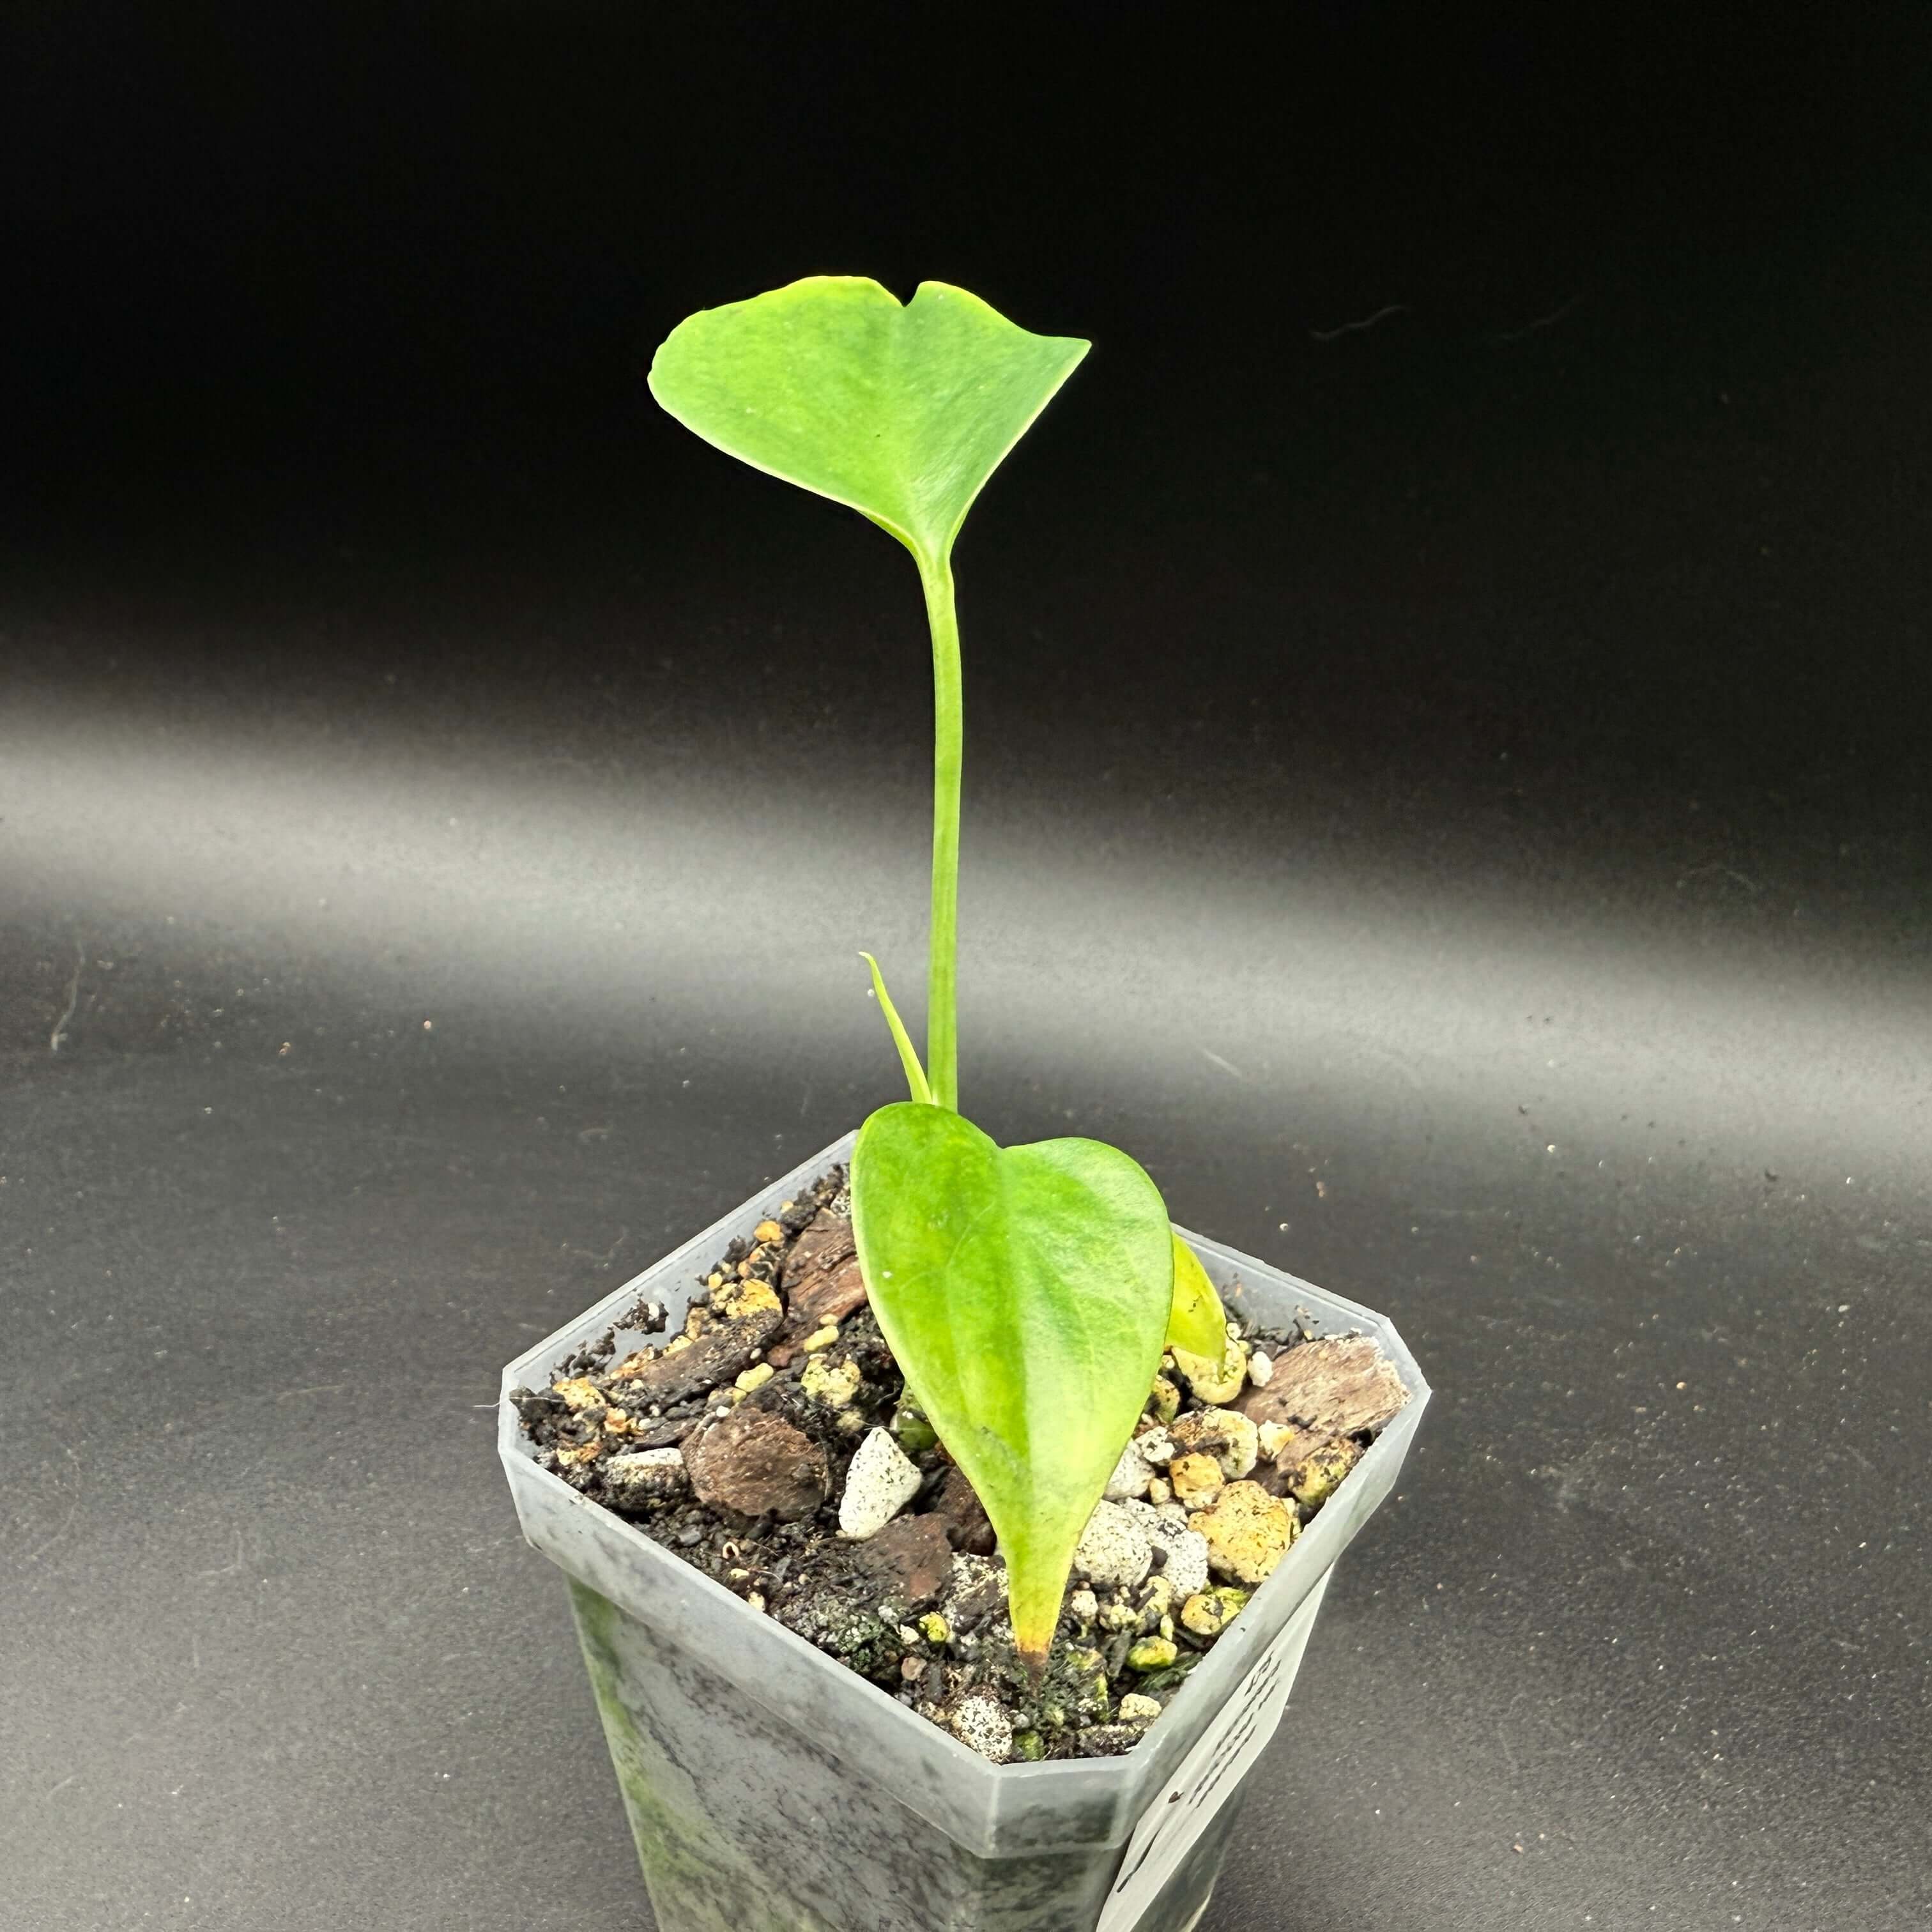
(1026, 1292)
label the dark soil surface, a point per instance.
(731, 1444)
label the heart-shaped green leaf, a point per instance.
(1197, 1323)
(1024, 1291)
(900, 412)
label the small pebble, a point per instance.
(1260, 1367)
(756, 1463)
(831, 1384)
(645, 1476)
(1197, 1480)
(1137, 1709)
(1248, 1532)
(1185, 1550)
(879, 1483)
(982, 1725)
(1215, 1381)
(1315, 1478)
(1225, 1434)
(1131, 1475)
(1152, 1654)
(744, 1300)
(1210, 1611)
(1113, 1548)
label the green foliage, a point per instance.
(901, 411)
(1024, 1291)
(1197, 1322)
(915, 1074)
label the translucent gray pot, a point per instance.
(771, 1790)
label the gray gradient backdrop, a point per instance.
(1448, 796)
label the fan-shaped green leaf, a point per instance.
(901, 412)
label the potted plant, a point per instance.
(949, 1567)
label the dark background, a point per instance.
(1472, 760)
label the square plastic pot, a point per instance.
(771, 1790)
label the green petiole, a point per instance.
(915, 1074)
(942, 1004)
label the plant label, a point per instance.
(1211, 1773)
